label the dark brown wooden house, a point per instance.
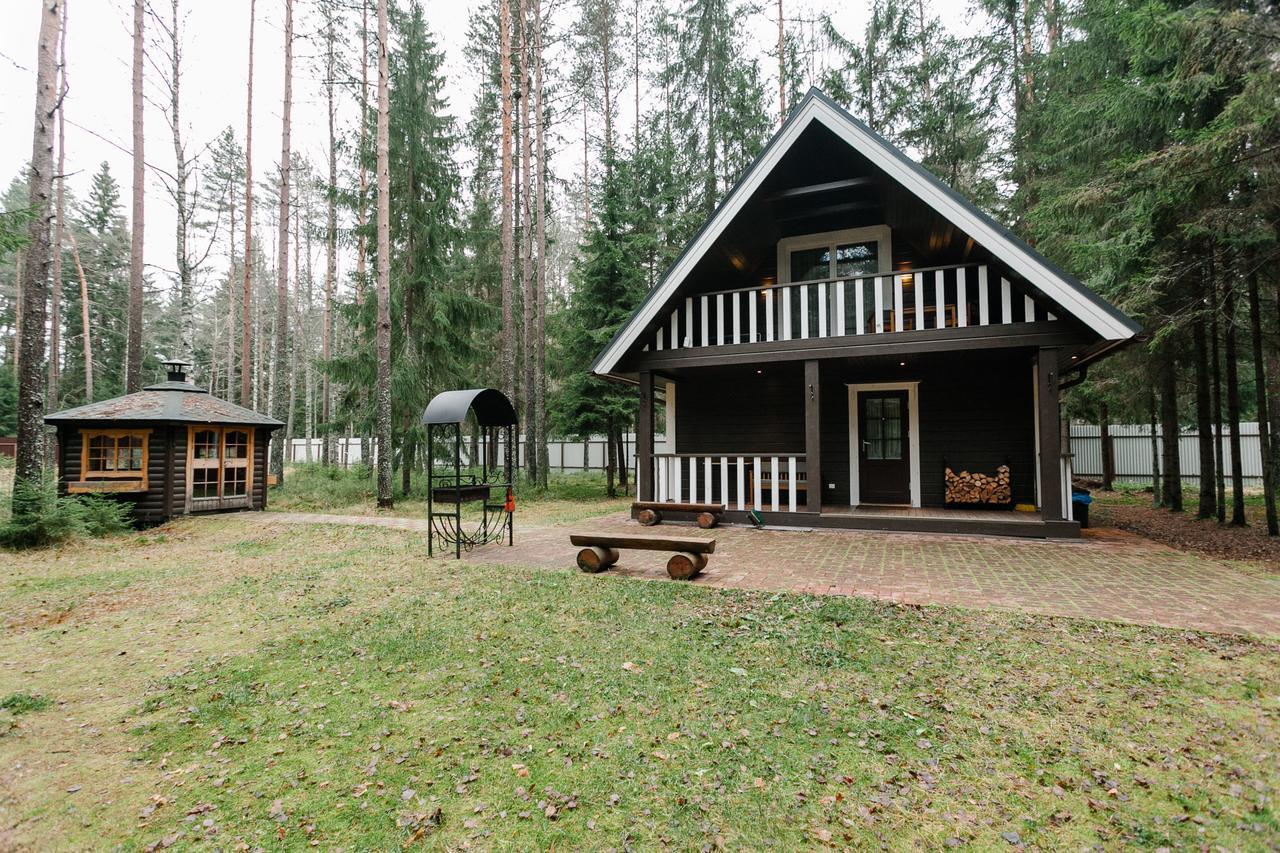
(171, 449)
(847, 342)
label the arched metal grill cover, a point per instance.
(491, 406)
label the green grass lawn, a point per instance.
(231, 682)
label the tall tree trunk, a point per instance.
(1108, 456)
(133, 346)
(586, 168)
(407, 453)
(1204, 413)
(1233, 407)
(87, 338)
(1169, 427)
(383, 332)
(606, 64)
(31, 376)
(279, 403)
(610, 461)
(620, 436)
(186, 294)
(922, 26)
(20, 273)
(1264, 404)
(1028, 50)
(508, 334)
(1220, 467)
(540, 283)
(246, 296)
(55, 291)
(331, 246)
(362, 208)
(294, 332)
(527, 299)
(229, 382)
(635, 71)
(1157, 498)
(782, 68)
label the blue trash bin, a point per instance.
(1080, 500)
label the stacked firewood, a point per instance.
(967, 488)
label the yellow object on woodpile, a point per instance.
(967, 488)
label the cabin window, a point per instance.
(851, 253)
(220, 463)
(113, 460)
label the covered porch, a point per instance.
(867, 443)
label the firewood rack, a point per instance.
(1006, 504)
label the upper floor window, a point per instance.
(850, 253)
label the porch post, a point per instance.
(812, 437)
(1050, 435)
(644, 439)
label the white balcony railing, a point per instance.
(771, 481)
(910, 300)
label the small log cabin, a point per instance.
(170, 449)
(847, 342)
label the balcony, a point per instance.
(936, 298)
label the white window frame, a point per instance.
(913, 434)
(881, 235)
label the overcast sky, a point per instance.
(98, 108)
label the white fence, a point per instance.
(1131, 450)
(565, 454)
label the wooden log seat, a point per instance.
(650, 513)
(599, 552)
(974, 488)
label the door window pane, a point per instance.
(233, 482)
(206, 444)
(853, 259)
(810, 264)
(883, 439)
(236, 444)
(204, 483)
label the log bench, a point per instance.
(650, 513)
(600, 551)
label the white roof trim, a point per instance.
(1082, 304)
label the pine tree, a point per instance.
(133, 353)
(608, 284)
(31, 331)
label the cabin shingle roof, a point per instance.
(168, 402)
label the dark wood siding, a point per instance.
(166, 459)
(741, 411)
(261, 438)
(976, 412)
(149, 506)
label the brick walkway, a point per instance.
(1109, 575)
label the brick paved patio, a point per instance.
(1108, 575)
(1116, 576)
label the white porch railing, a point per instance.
(934, 298)
(762, 481)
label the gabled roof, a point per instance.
(1103, 318)
(166, 402)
